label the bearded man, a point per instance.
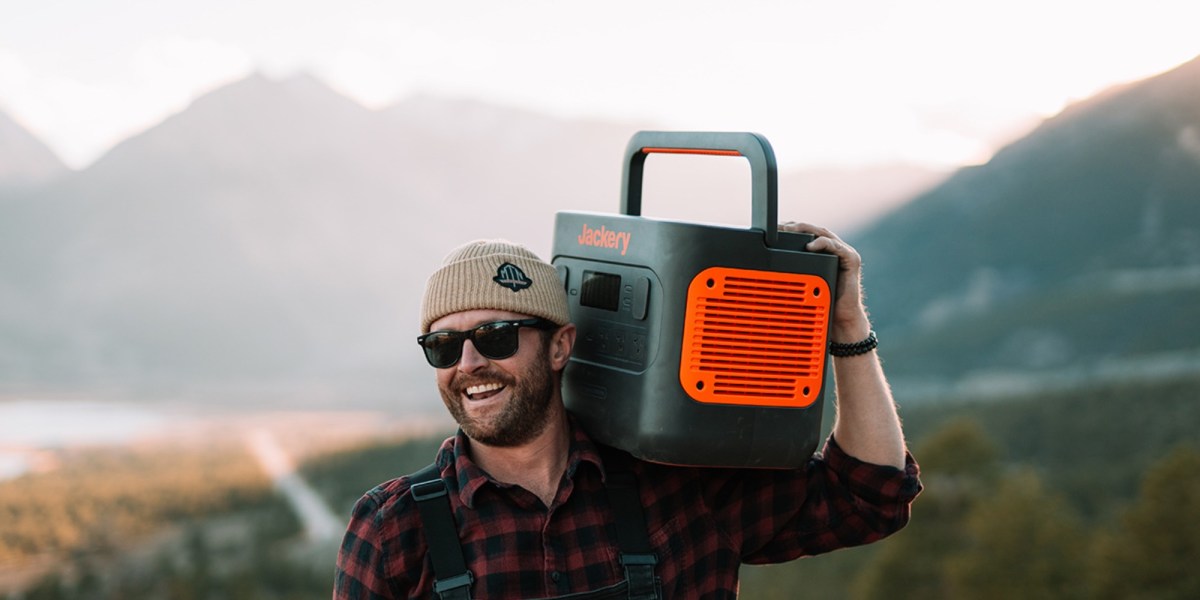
(522, 503)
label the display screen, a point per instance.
(601, 290)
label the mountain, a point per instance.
(273, 238)
(24, 159)
(274, 231)
(1075, 250)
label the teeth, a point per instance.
(479, 389)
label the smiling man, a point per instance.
(521, 503)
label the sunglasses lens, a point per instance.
(496, 340)
(443, 349)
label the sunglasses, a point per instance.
(495, 340)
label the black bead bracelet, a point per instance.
(855, 349)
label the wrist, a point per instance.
(851, 330)
(858, 348)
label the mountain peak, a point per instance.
(258, 114)
(1173, 91)
(258, 89)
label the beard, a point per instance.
(518, 421)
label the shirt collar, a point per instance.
(471, 478)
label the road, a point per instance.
(321, 525)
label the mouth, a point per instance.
(484, 390)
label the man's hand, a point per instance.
(850, 322)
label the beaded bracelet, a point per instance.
(855, 349)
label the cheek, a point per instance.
(444, 378)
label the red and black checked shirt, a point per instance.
(703, 524)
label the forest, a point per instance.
(194, 522)
(1090, 493)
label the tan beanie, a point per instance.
(494, 274)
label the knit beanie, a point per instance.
(498, 275)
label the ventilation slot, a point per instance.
(755, 337)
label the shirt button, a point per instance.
(555, 575)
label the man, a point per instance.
(528, 489)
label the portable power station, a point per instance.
(697, 344)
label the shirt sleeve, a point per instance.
(361, 564)
(835, 501)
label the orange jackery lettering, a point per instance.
(605, 238)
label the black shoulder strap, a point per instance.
(637, 556)
(453, 579)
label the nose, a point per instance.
(471, 359)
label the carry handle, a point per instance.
(751, 146)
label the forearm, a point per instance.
(866, 426)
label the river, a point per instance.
(28, 428)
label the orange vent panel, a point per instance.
(755, 337)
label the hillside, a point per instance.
(1074, 247)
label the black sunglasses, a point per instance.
(495, 340)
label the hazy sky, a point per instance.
(931, 81)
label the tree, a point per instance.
(958, 462)
(1023, 542)
(1156, 550)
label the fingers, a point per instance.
(809, 228)
(825, 241)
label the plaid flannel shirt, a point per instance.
(703, 523)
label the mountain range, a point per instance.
(272, 239)
(1072, 256)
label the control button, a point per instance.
(641, 297)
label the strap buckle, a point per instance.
(458, 581)
(636, 560)
(428, 490)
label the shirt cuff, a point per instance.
(877, 484)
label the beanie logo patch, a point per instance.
(512, 277)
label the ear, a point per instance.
(561, 344)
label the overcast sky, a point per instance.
(937, 82)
